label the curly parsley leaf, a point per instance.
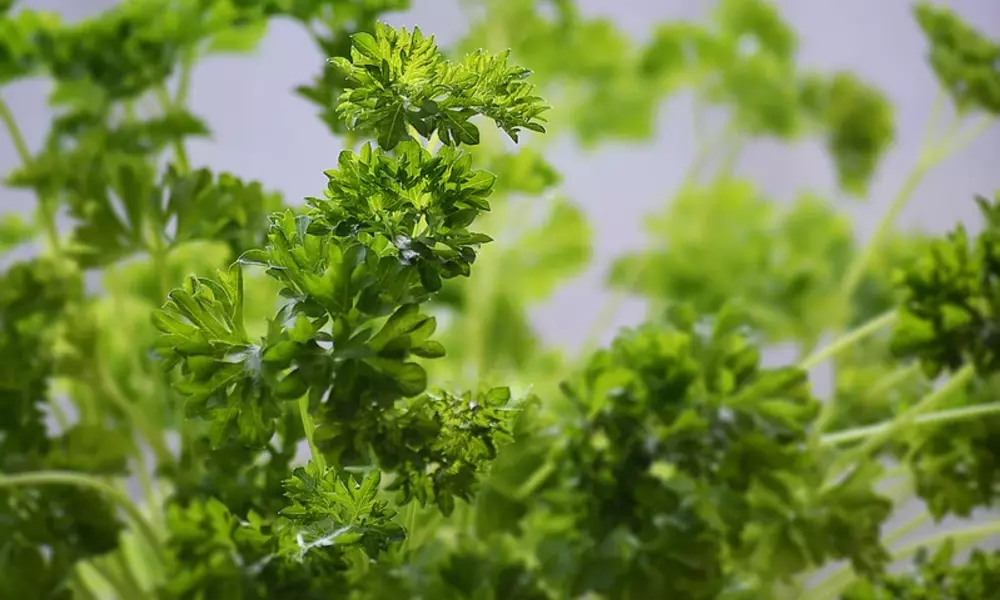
(966, 62)
(949, 313)
(936, 576)
(397, 79)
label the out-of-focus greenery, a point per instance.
(347, 397)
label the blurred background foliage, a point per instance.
(797, 271)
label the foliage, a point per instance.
(347, 397)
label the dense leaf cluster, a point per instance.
(398, 80)
(937, 577)
(950, 313)
(649, 477)
(737, 234)
(45, 530)
(964, 59)
(353, 271)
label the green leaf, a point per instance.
(14, 231)
(395, 69)
(366, 44)
(402, 322)
(238, 40)
(963, 58)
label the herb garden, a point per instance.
(211, 392)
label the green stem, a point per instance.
(829, 408)
(39, 478)
(838, 579)
(891, 380)
(158, 256)
(180, 152)
(963, 538)
(105, 383)
(875, 439)
(20, 145)
(605, 317)
(58, 414)
(80, 588)
(708, 147)
(49, 223)
(930, 155)
(898, 491)
(857, 269)
(536, 480)
(907, 528)
(184, 79)
(411, 525)
(834, 584)
(118, 565)
(847, 340)
(734, 149)
(107, 578)
(961, 139)
(703, 155)
(149, 492)
(310, 428)
(24, 155)
(936, 418)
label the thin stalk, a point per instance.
(80, 588)
(180, 152)
(310, 428)
(936, 418)
(106, 384)
(898, 491)
(829, 409)
(158, 256)
(875, 439)
(961, 139)
(58, 414)
(142, 524)
(127, 574)
(837, 580)
(856, 269)
(931, 155)
(482, 308)
(707, 148)
(150, 489)
(703, 154)
(605, 317)
(24, 155)
(184, 79)
(859, 266)
(20, 145)
(732, 154)
(918, 521)
(411, 524)
(848, 339)
(536, 480)
(111, 579)
(891, 380)
(963, 538)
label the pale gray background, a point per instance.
(264, 132)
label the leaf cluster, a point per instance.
(342, 412)
(952, 300)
